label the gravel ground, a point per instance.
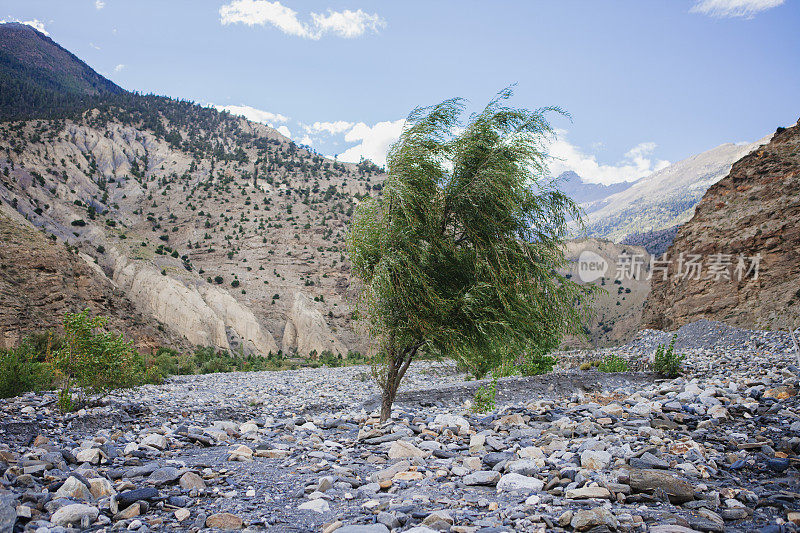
(713, 450)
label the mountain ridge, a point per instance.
(39, 78)
(583, 191)
(665, 198)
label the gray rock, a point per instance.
(595, 459)
(648, 460)
(598, 516)
(388, 520)
(482, 477)
(372, 528)
(168, 474)
(678, 490)
(8, 517)
(124, 499)
(76, 514)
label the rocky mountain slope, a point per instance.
(42, 279)
(223, 231)
(755, 210)
(226, 232)
(617, 307)
(655, 242)
(663, 199)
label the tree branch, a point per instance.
(407, 360)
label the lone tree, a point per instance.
(458, 257)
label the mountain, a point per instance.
(665, 198)
(583, 192)
(753, 212)
(617, 307)
(655, 242)
(38, 78)
(222, 232)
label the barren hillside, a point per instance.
(221, 229)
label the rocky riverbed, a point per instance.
(714, 450)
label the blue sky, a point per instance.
(646, 82)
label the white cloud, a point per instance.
(306, 140)
(733, 8)
(99, 4)
(283, 130)
(94, 46)
(331, 128)
(347, 24)
(373, 141)
(253, 114)
(35, 23)
(119, 68)
(636, 163)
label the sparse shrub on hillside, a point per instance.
(613, 363)
(666, 361)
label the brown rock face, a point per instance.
(755, 210)
(41, 280)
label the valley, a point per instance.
(209, 322)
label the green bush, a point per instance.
(485, 396)
(93, 360)
(22, 370)
(613, 363)
(666, 361)
(536, 364)
(164, 363)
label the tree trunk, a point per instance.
(389, 392)
(387, 400)
(398, 365)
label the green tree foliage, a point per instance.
(458, 257)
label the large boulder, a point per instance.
(649, 481)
